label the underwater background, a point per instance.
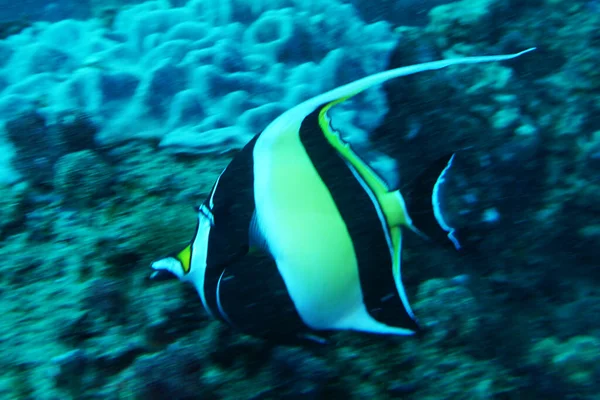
(117, 116)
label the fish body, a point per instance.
(299, 236)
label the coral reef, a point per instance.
(12, 207)
(397, 12)
(574, 363)
(203, 77)
(114, 127)
(82, 178)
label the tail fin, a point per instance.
(423, 202)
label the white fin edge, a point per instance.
(219, 305)
(437, 210)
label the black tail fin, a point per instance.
(423, 202)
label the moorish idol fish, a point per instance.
(299, 236)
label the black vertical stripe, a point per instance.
(233, 208)
(380, 294)
(250, 289)
(254, 297)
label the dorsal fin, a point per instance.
(351, 89)
(323, 103)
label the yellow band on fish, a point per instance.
(393, 210)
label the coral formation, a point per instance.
(574, 361)
(114, 127)
(198, 78)
(82, 178)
